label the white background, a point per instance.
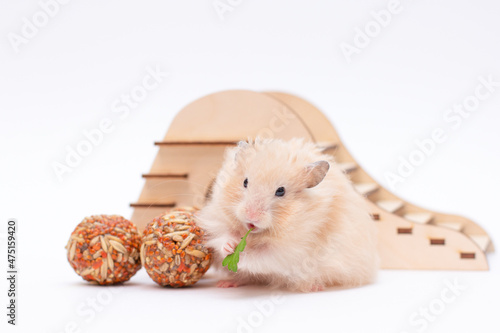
(65, 79)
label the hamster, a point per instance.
(311, 230)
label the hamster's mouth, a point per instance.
(252, 226)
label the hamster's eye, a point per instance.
(245, 183)
(280, 192)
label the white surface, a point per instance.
(395, 91)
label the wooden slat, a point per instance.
(326, 145)
(366, 188)
(347, 167)
(467, 255)
(451, 225)
(159, 205)
(165, 175)
(405, 230)
(437, 241)
(321, 145)
(195, 143)
(390, 205)
(422, 218)
(481, 240)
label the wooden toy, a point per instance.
(191, 153)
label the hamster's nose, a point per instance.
(253, 215)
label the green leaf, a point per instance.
(231, 261)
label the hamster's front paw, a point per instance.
(229, 247)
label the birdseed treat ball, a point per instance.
(173, 251)
(104, 249)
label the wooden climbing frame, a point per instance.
(191, 153)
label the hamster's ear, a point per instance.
(315, 172)
(240, 149)
(243, 144)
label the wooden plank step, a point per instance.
(451, 225)
(422, 218)
(165, 175)
(326, 145)
(366, 188)
(158, 205)
(347, 167)
(390, 205)
(481, 240)
(322, 145)
(195, 143)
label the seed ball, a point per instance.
(104, 249)
(173, 249)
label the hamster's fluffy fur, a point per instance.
(308, 239)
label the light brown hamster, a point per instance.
(311, 229)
